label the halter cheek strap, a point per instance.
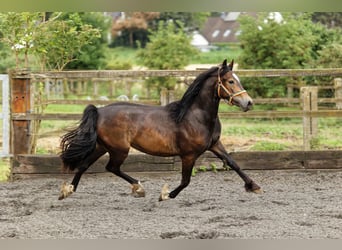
(230, 95)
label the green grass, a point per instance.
(57, 108)
(281, 134)
(4, 170)
(118, 57)
(270, 146)
(217, 56)
(121, 54)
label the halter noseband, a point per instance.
(230, 95)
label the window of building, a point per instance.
(215, 33)
(226, 33)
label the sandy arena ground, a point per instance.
(295, 205)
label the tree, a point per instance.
(330, 56)
(5, 59)
(126, 33)
(54, 41)
(18, 31)
(58, 42)
(169, 48)
(92, 54)
(329, 19)
(292, 42)
(192, 20)
(132, 22)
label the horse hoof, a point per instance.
(138, 190)
(258, 191)
(252, 187)
(164, 195)
(66, 190)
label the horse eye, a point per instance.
(231, 81)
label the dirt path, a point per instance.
(295, 204)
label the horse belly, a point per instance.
(155, 143)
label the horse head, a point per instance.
(230, 89)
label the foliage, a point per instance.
(6, 60)
(191, 20)
(18, 32)
(56, 45)
(92, 54)
(330, 19)
(330, 56)
(131, 25)
(133, 29)
(52, 40)
(269, 43)
(169, 48)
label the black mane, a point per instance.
(179, 108)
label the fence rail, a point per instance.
(21, 118)
(112, 74)
(237, 115)
(21, 97)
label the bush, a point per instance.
(291, 43)
(330, 56)
(169, 48)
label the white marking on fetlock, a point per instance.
(164, 195)
(66, 190)
(138, 190)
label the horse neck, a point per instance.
(207, 101)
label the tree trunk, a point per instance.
(131, 42)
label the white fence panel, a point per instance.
(5, 116)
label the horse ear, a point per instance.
(224, 64)
(231, 64)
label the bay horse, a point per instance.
(185, 128)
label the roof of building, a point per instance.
(222, 29)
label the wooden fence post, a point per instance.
(166, 96)
(21, 103)
(163, 97)
(309, 103)
(338, 92)
(171, 95)
(289, 93)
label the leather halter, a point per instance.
(230, 95)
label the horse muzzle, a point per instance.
(244, 101)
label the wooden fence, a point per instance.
(22, 115)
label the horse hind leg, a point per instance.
(114, 166)
(68, 189)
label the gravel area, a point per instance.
(294, 205)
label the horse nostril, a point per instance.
(250, 103)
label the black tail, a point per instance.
(78, 143)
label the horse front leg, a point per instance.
(221, 153)
(187, 165)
